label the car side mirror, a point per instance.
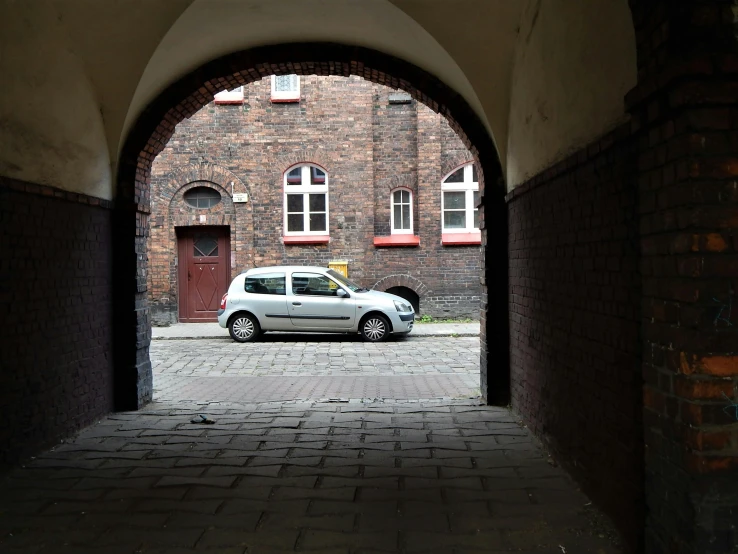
(342, 293)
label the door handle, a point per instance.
(297, 303)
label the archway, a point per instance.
(408, 294)
(133, 378)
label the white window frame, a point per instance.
(306, 189)
(394, 230)
(292, 95)
(234, 96)
(468, 186)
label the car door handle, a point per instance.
(297, 303)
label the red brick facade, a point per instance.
(347, 126)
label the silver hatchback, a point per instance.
(296, 298)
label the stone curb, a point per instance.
(219, 337)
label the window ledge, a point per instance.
(285, 100)
(234, 101)
(397, 240)
(306, 239)
(461, 239)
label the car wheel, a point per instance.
(244, 328)
(375, 328)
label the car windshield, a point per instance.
(353, 287)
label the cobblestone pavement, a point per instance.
(333, 478)
(291, 367)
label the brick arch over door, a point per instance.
(156, 125)
(402, 280)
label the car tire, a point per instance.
(375, 328)
(244, 328)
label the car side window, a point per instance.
(313, 284)
(266, 283)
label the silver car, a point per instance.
(295, 298)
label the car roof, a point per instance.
(269, 269)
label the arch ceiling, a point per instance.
(76, 74)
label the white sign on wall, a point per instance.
(241, 197)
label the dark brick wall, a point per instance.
(56, 372)
(368, 146)
(574, 321)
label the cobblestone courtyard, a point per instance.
(362, 464)
(299, 367)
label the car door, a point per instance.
(266, 298)
(315, 304)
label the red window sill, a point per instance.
(229, 101)
(397, 240)
(461, 239)
(307, 239)
(285, 100)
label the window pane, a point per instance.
(285, 83)
(317, 202)
(294, 203)
(476, 198)
(454, 200)
(202, 197)
(406, 216)
(205, 246)
(476, 219)
(405, 196)
(317, 176)
(312, 284)
(268, 283)
(474, 174)
(317, 222)
(456, 177)
(397, 197)
(295, 176)
(454, 220)
(295, 222)
(398, 216)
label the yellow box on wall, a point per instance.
(339, 266)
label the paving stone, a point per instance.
(321, 540)
(333, 522)
(285, 539)
(208, 481)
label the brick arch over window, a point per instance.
(155, 126)
(457, 161)
(303, 157)
(402, 280)
(400, 182)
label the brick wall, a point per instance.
(365, 143)
(55, 298)
(575, 319)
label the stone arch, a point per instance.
(402, 280)
(313, 156)
(182, 99)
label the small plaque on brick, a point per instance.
(399, 98)
(241, 197)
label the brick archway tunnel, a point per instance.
(609, 213)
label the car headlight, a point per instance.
(402, 307)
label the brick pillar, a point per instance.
(685, 118)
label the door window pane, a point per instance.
(313, 285)
(204, 246)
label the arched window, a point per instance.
(460, 196)
(306, 201)
(402, 212)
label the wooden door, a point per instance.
(204, 259)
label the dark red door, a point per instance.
(204, 256)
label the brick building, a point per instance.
(259, 177)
